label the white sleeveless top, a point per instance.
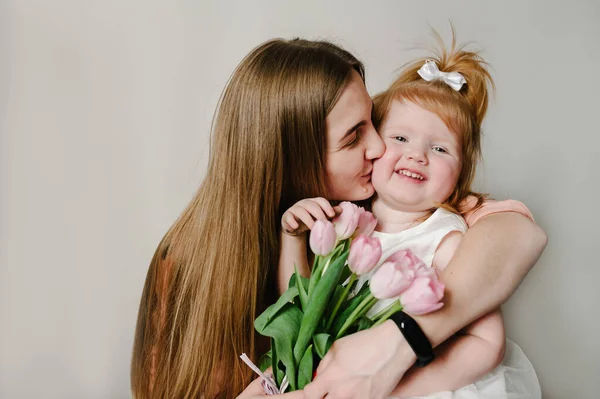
(423, 240)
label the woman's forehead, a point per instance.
(352, 108)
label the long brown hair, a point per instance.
(214, 270)
(462, 111)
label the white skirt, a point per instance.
(514, 378)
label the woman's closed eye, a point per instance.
(353, 139)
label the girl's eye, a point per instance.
(401, 139)
(440, 149)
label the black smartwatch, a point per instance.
(415, 338)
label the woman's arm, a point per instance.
(467, 356)
(460, 361)
(492, 259)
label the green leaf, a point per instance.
(339, 301)
(322, 343)
(364, 323)
(364, 288)
(349, 307)
(321, 263)
(346, 273)
(301, 287)
(265, 361)
(305, 368)
(292, 282)
(305, 283)
(315, 273)
(284, 331)
(352, 319)
(339, 289)
(271, 312)
(278, 371)
(317, 304)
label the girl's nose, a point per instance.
(417, 155)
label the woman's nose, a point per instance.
(375, 145)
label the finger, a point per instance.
(314, 208)
(287, 229)
(293, 395)
(326, 361)
(290, 219)
(322, 366)
(255, 388)
(337, 210)
(315, 390)
(305, 217)
(318, 388)
(290, 225)
(326, 206)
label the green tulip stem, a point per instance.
(360, 310)
(341, 300)
(382, 316)
(321, 264)
(315, 274)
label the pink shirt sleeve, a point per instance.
(492, 206)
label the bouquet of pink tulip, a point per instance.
(315, 311)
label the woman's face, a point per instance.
(352, 144)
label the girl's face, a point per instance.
(352, 144)
(422, 160)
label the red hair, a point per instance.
(462, 111)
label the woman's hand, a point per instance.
(367, 364)
(255, 391)
(301, 217)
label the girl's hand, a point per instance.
(301, 217)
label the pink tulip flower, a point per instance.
(365, 252)
(346, 222)
(390, 281)
(366, 223)
(423, 296)
(407, 259)
(322, 237)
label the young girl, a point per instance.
(430, 120)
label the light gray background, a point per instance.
(105, 109)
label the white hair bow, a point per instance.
(430, 71)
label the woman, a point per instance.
(293, 122)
